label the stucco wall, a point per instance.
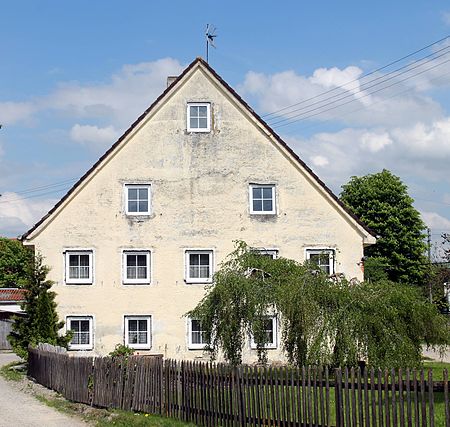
(200, 199)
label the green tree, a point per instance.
(14, 261)
(382, 202)
(323, 321)
(40, 321)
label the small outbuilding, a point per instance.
(10, 299)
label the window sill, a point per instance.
(139, 347)
(200, 282)
(197, 347)
(79, 283)
(136, 283)
(76, 348)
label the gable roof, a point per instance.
(11, 295)
(271, 133)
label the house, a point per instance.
(10, 299)
(134, 242)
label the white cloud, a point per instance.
(18, 214)
(87, 134)
(128, 93)
(319, 161)
(375, 142)
(351, 104)
(436, 221)
(14, 112)
(125, 97)
(446, 18)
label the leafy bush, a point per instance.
(121, 350)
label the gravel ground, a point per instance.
(19, 408)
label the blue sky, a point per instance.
(74, 75)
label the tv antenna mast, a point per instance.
(210, 35)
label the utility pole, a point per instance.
(429, 260)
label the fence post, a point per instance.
(338, 398)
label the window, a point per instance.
(199, 266)
(198, 117)
(79, 267)
(262, 199)
(270, 329)
(196, 335)
(323, 258)
(271, 253)
(137, 332)
(136, 267)
(137, 199)
(81, 327)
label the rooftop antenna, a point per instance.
(210, 36)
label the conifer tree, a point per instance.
(39, 323)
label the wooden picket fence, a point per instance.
(215, 395)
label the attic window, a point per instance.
(199, 117)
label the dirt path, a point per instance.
(18, 408)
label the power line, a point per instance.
(364, 87)
(353, 100)
(381, 101)
(44, 187)
(359, 78)
(18, 199)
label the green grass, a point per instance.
(109, 417)
(438, 369)
(12, 374)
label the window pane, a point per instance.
(257, 206)
(202, 111)
(84, 325)
(142, 325)
(204, 259)
(132, 325)
(73, 272)
(132, 193)
(84, 337)
(132, 338)
(84, 260)
(267, 193)
(202, 123)
(267, 205)
(193, 111)
(195, 325)
(131, 260)
(193, 123)
(143, 206)
(73, 260)
(132, 206)
(142, 272)
(142, 338)
(204, 272)
(194, 272)
(257, 192)
(142, 260)
(194, 259)
(75, 325)
(143, 193)
(84, 272)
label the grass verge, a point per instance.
(12, 372)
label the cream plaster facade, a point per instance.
(199, 200)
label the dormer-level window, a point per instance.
(137, 199)
(198, 117)
(262, 199)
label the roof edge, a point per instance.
(270, 131)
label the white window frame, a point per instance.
(148, 319)
(148, 279)
(320, 250)
(274, 344)
(194, 251)
(90, 318)
(272, 252)
(132, 185)
(73, 281)
(274, 199)
(191, 345)
(208, 116)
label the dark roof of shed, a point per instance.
(243, 103)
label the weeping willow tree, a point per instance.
(323, 321)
